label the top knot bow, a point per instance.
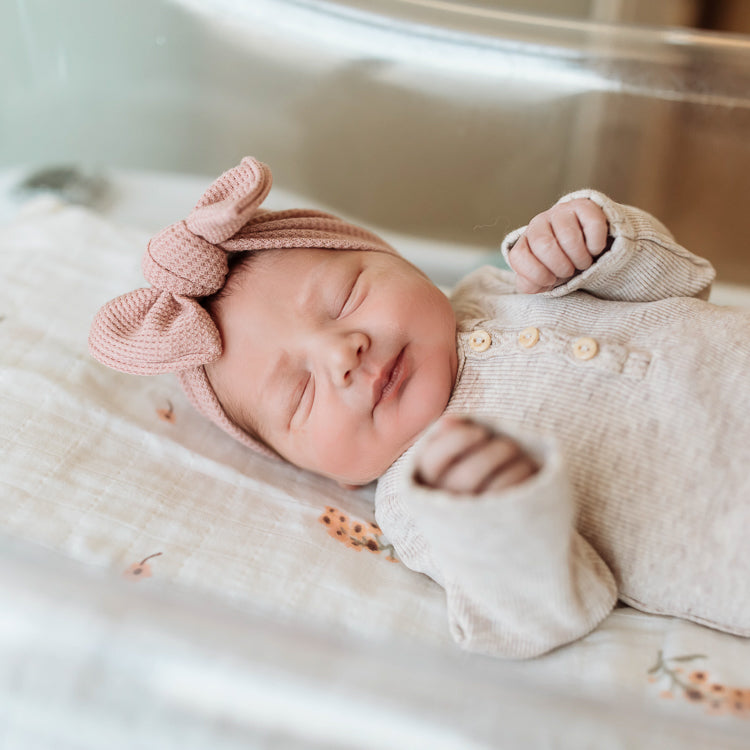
(165, 328)
(185, 257)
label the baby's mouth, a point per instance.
(388, 383)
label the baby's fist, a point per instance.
(557, 244)
(463, 456)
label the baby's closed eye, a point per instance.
(352, 299)
(302, 400)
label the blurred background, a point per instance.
(451, 122)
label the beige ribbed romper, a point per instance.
(634, 393)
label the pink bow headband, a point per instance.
(165, 328)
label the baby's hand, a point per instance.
(558, 243)
(465, 457)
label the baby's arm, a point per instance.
(642, 262)
(497, 525)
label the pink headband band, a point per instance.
(165, 328)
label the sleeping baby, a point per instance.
(546, 441)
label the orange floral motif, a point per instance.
(167, 414)
(140, 569)
(699, 688)
(356, 534)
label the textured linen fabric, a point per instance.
(644, 490)
(90, 471)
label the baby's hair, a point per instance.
(239, 264)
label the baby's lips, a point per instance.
(377, 388)
(383, 379)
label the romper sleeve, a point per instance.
(644, 263)
(519, 579)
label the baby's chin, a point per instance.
(358, 478)
(361, 475)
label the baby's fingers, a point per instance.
(462, 456)
(557, 244)
(571, 239)
(547, 246)
(450, 440)
(511, 474)
(532, 275)
(593, 223)
(477, 469)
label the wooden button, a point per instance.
(480, 341)
(528, 337)
(585, 348)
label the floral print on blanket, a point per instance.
(140, 569)
(167, 415)
(356, 534)
(676, 675)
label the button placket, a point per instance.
(528, 337)
(585, 348)
(480, 340)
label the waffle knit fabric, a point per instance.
(165, 328)
(633, 392)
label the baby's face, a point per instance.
(338, 358)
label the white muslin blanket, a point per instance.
(118, 475)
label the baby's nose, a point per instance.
(345, 354)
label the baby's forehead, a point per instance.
(301, 277)
(299, 264)
(282, 260)
(277, 277)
